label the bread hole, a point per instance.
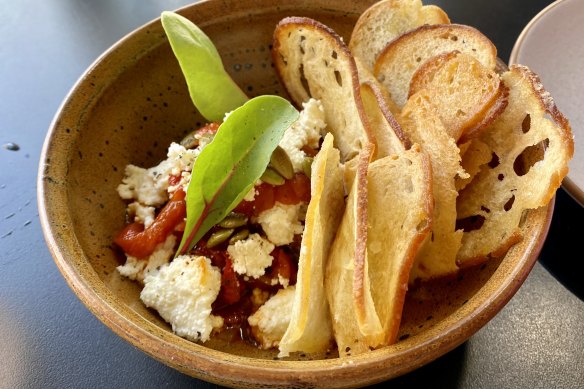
(419, 59)
(529, 157)
(526, 124)
(470, 223)
(454, 38)
(303, 80)
(501, 176)
(334, 54)
(494, 162)
(302, 39)
(460, 113)
(432, 237)
(339, 78)
(485, 209)
(509, 204)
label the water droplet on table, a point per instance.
(11, 146)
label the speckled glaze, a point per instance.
(127, 108)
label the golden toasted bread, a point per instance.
(420, 122)
(385, 21)
(312, 61)
(310, 328)
(366, 77)
(531, 144)
(400, 59)
(389, 135)
(474, 154)
(463, 91)
(369, 265)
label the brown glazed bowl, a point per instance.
(127, 107)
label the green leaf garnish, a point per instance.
(212, 90)
(228, 167)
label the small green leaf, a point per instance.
(212, 90)
(228, 167)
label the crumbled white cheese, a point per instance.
(204, 138)
(138, 268)
(182, 161)
(149, 186)
(259, 297)
(251, 256)
(185, 179)
(250, 196)
(270, 321)
(306, 131)
(182, 292)
(282, 222)
(141, 213)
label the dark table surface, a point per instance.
(49, 339)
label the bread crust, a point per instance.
(307, 53)
(399, 60)
(531, 143)
(457, 81)
(386, 20)
(492, 113)
(390, 136)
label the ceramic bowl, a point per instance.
(127, 108)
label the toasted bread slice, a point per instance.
(310, 328)
(366, 77)
(312, 61)
(350, 241)
(531, 144)
(437, 257)
(400, 59)
(474, 155)
(389, 135)
(461, 88)
(385, 21)
(388, 216)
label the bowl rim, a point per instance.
(229, 369)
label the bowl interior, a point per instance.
(127, 108)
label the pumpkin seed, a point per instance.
(272, 177)
(307, 166)
(280, 162)
(233, 220)
(190, 141)
(219, 237)
(239, 235)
